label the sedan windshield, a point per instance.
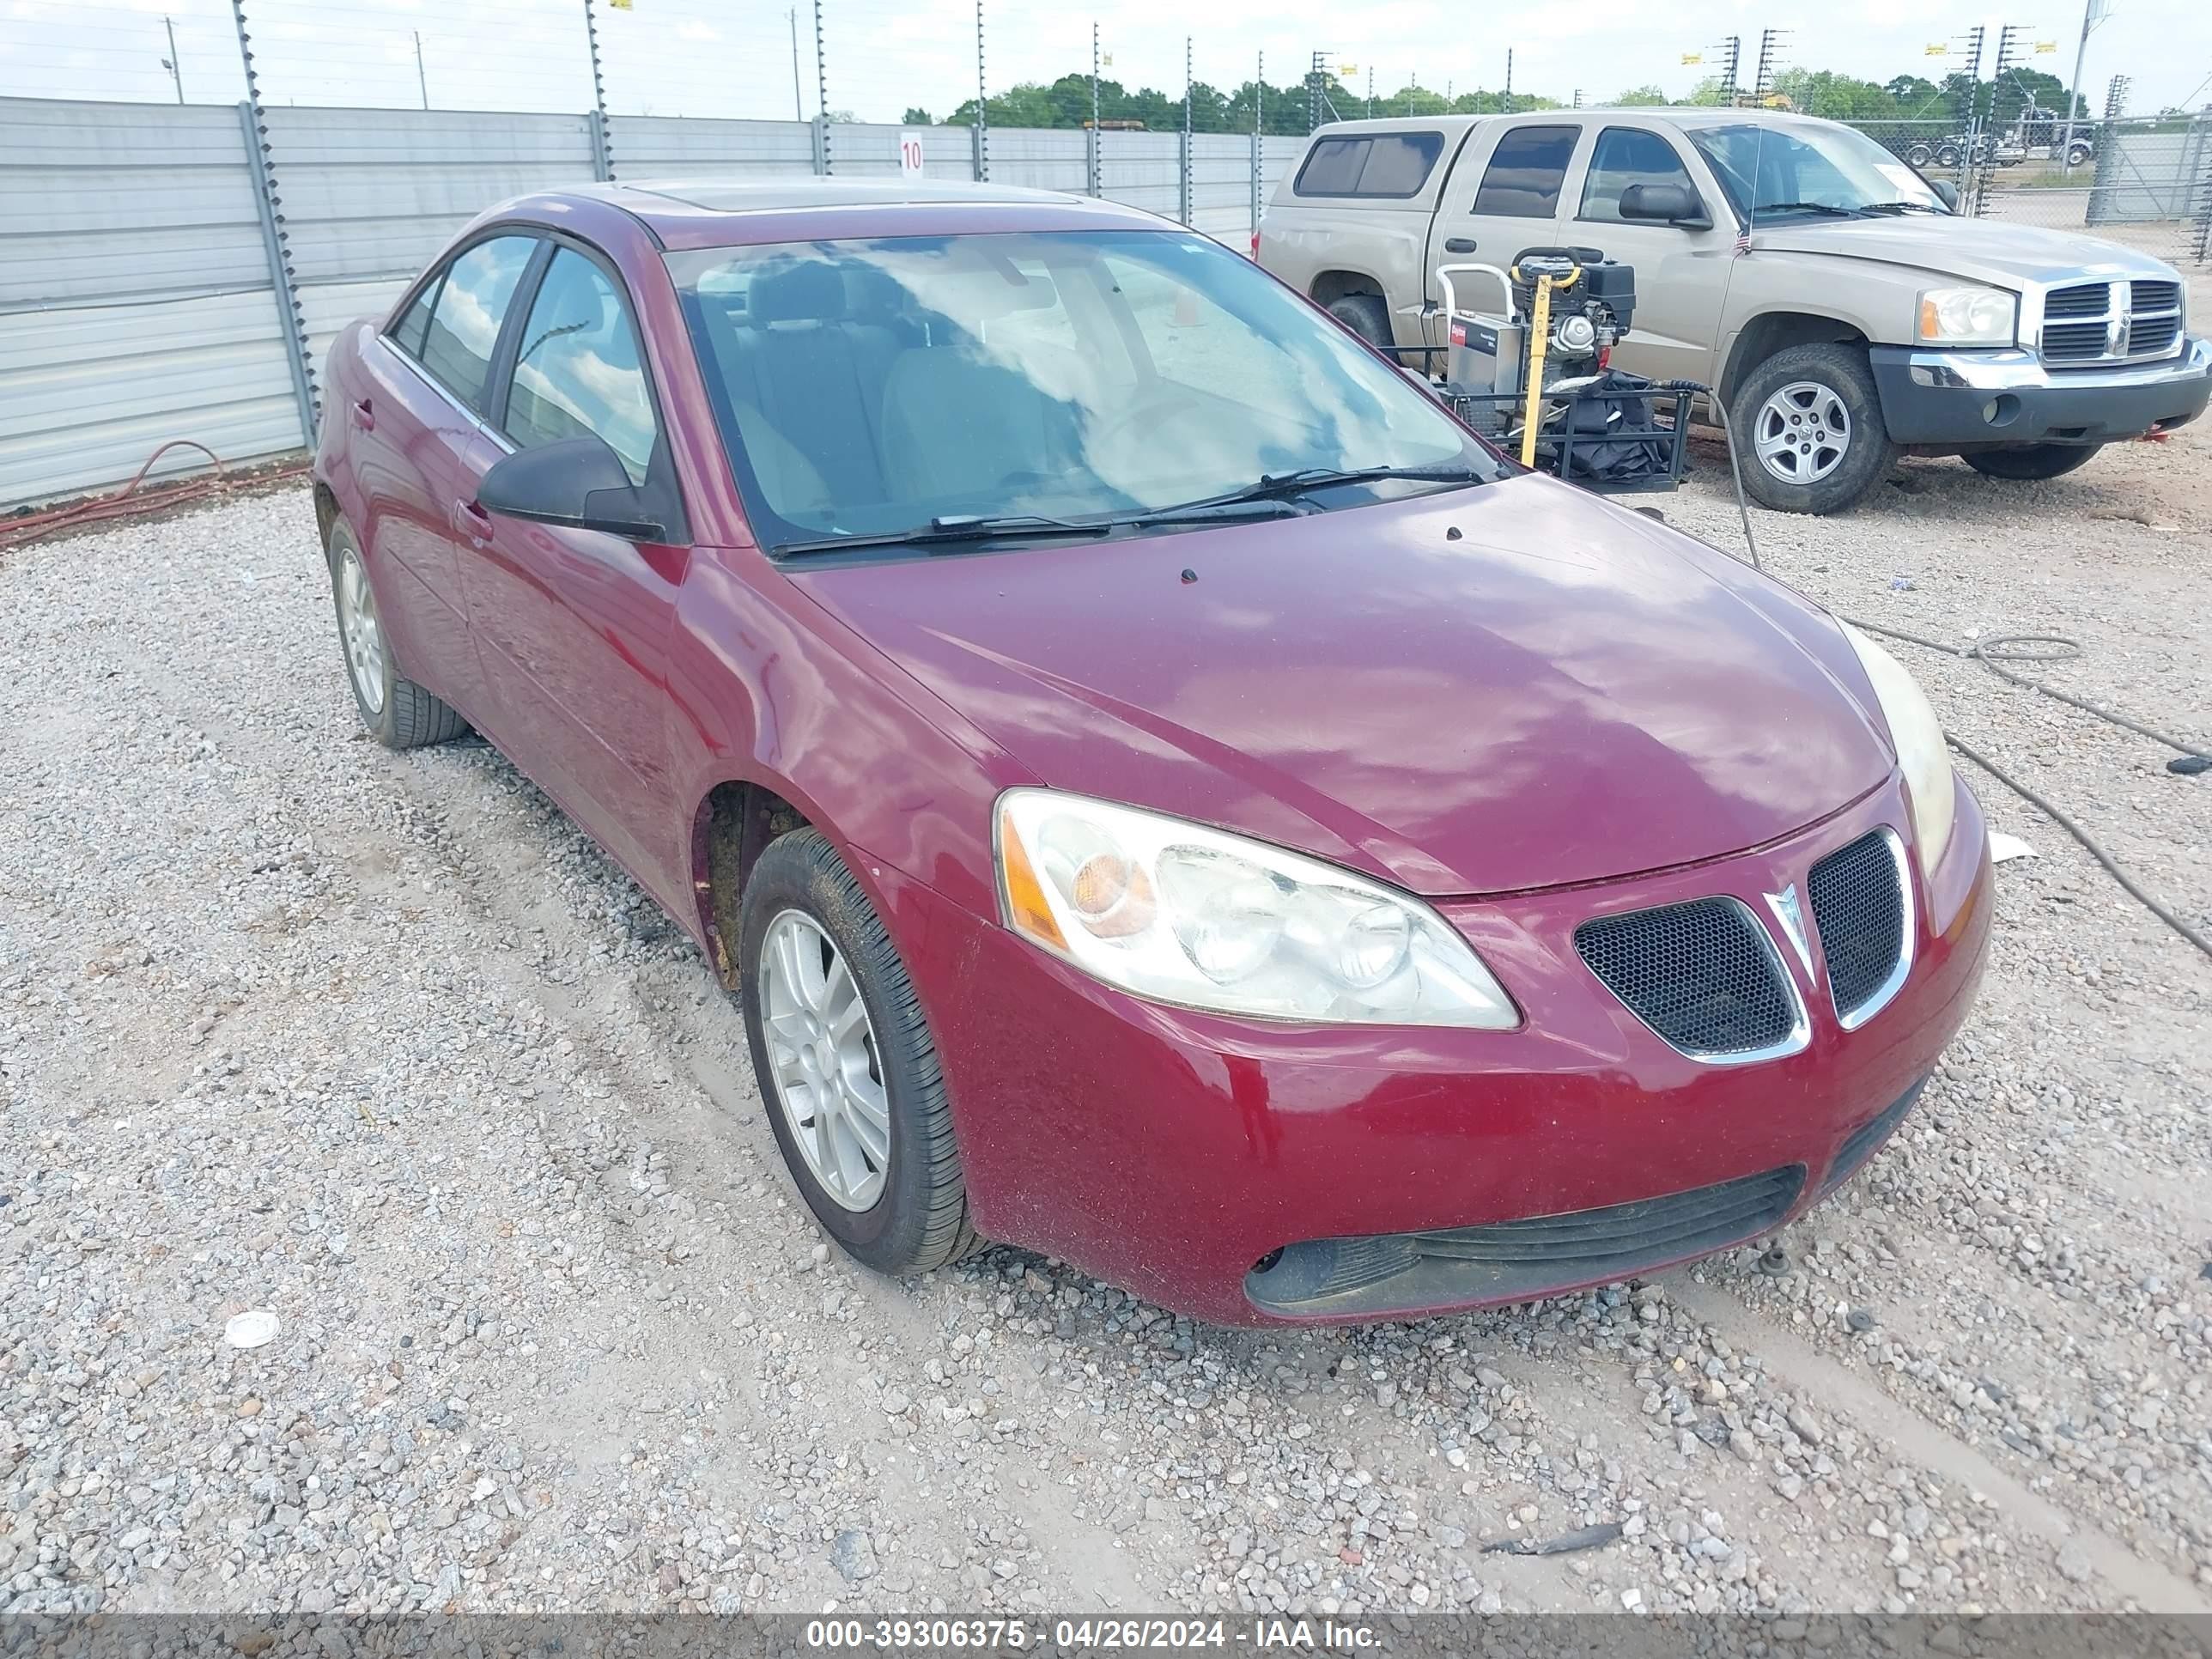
(902, 385)
(1812, 171)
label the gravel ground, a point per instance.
(381, 1043)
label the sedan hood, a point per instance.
(1978, 250)
(1513, 686)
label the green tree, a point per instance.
(916, 117)
(1646, 97)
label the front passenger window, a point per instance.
(466, 319)
(578, 373)
(1622, 157)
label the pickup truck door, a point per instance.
(1682, 271)
(1506, 193)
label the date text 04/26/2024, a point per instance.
(1097, 1634)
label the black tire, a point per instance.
(2078, 156)
(920, 1219)
(1365, 315)
(2032, 461)
(1867, 453)
(1947, 156)
(1920, 155)
(403, 715)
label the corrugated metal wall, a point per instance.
(136, 302)
(135, 297)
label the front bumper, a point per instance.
(1962, 398)
(1169, 1151)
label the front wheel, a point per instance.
(1920, 155)
(846, 1064)
(1809, 429)
(2032, 461)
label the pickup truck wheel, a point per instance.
(2033, 460)
(1365, 315)
(1809, 429)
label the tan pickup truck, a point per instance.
(1863, 317)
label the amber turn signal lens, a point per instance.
(1026, 910)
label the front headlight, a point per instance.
(1968, 316)
(1922, 754)
(1178, 913)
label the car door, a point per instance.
(1682, 271)
(414, 415)
(1518, 170)
(572, 625)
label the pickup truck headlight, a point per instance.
(1174, 911)
(1922, 754)
(1969, 316)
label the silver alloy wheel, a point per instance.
(1802, 432)
(361, 633)
(822, 1051)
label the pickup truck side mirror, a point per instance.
(578, 483)
(1664, 204)
(1948, 192)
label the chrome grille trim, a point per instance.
(1880, 998)
(2085, 325)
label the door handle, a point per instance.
(473, 522)
(1459, 243)
(364, 415)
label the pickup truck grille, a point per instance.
(2111, 322)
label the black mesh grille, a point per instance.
(2090, 300)
(2154, 296)
(1701, 974)
(1859, 907)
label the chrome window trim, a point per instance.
(1884, 994)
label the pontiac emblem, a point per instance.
(1792, 918)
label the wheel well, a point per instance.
(1334, 285)
(1777, 330)
(733, 825)
(326, 510)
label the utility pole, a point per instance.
(982, 105)
(170, 63)
(1314, 70)
(1769, 43)
(1187, 205)
(602, 142)
(1098, 136)
(1731, 66)
(2093, 13)
(1370, 91)
(421, 79)
(798, 108)
(1505, 103)
(1259, 141)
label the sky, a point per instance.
(705, 58)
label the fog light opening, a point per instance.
(2001, 410)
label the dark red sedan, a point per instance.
(1169, 796)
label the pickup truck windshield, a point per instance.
(1808, 171)
(872, 388)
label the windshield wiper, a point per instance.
(1277, 486)
(1802, 207)
(956, 527)
(1900, 207)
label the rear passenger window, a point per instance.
(1384, 164)
(577, 373)
(1522, 181)
(1624, 157)
(465, 318)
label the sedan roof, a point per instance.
(692, 213)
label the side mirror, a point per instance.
(579, 483)
(1947, 191)
(1664, 204)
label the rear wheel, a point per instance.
(1947, 156)
(846, 1064)
(1920, 155)
(2032, 461)
(1809, 429)
(1365, 315)
(398, 713)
